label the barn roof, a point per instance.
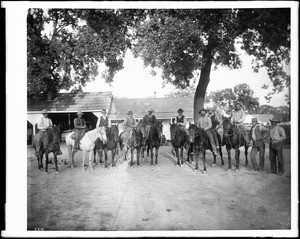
(68, 102)
(164, 108)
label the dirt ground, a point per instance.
(164, 197)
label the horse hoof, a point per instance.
(57, 172)
(213, 165)
(204, 171)
(195, 169)
(228, 169)
(82, 170)
(156, 165)
(72, 166)
(46, 172)
(237, 170)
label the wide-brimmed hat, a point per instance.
(180, 110)
(79, 112)
(202, 110)
(150, 110)
(103, 110)
(275, 119)
(44, 111)
(254, 119)
(129, 112)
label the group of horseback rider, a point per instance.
(209, 121)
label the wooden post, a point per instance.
(69, 120)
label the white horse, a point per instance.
(87, 144)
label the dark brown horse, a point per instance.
(233, 139)
(138, 142)
(199, 144)
(112, 135)
(50, 144)
(154, 140)
(179, 140)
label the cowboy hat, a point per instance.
(44, 111)
(103, 110)
(129, 112)
(150, 110)
(202, 110)
(180, 110)
(275, 119)
(254, 119)
(79, 112)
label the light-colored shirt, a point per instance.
(238, 116)
(129, 122)
(277, 134)
(204, 122)
(44, 123)
(104, 117)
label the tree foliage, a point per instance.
(241, 93)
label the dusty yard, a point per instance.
(157, 198)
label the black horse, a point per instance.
(50, 144)
(138, 142)
(112, 135)
(233, 139)
(154, 140)
(179, 140)
(199, 144)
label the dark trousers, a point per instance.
(78, 136)
(215, 134)
(258, 146)
(275, 155)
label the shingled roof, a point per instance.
(164, 108)
(68, 102)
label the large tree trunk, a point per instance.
(201, 88)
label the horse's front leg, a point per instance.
(138, 151)
(131, 156)
(181, 154)
(177, 156)
(156, 155)
(113, 153)
(237, 160)
(83, 158)
(55, 161)
(196, 153)
(229, 157)
(47, 158)
(246, 156)
(151, 154)
(204, 161)
(90, 159)
(221, 154)
(105, 157)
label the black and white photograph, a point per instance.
(151, 119)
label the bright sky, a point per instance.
(135, 81)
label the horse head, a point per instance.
(193, 132)
(55, 134)
(115, 133)
(173, 129)
(141, 128)
(159, 128)
(226, 125)
(102, 132)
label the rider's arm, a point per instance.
(109, 122)
(243, 117)
(98, 122)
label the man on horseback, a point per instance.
(104, 120)
(129, 122)
(149, 120)
(204, 123)
(216, 121)
(80, 126)
(238, 116)
(181, 121)
(44, 124)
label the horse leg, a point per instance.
(204, 160)
(55, 162)
(83, 158)
(246, 156)
(214, 160)
(181, 154)
(138, 151)
(90, 160)
(177, 156)
(196, 153)
(105, 158)
(151, 151)
(131, 156)
(113, 151)
(229, 157)
(47, 158)
(156, 155)
(237, 160)
(221, 153)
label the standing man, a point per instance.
(216, 122)
(238, 116)
(277, 136)
(256, 135)
(80, 127)
(204, 122)
(103, 121)
(44, 124)
(149, 120)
